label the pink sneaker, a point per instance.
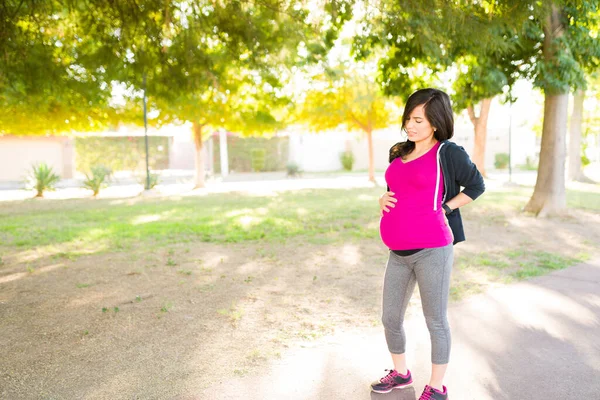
(430, 393)
(393, 380)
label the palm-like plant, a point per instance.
(97, 179)
(154, 180)
(43, 178)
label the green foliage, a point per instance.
(422, 39)
(347, 160)
(258, 159)
(543, 263)
(149, 181)
(97, 179)
(219, 64)
(346, 95)
(44, 88)
(293, 169)
(476, 83)
(121, 153)
(491, 43)
(501, 160)
(585, 161)
(42, 178)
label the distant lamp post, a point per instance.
(146, 136)
(510, 142)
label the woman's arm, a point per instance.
(459, 200)
(468, 176)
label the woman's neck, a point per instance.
(424, 145)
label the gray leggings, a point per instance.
(431, 268)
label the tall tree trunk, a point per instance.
(575, 172)
(549, 195)
(480, 127)
(199, 179)
(371, 161)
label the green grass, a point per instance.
(518, 196)
(584, 200)
(542, 263)
(166, 307)
(83, 285)
(460, 290)
(508, 265)
(234, 314)
(70, 228)
(219, 218)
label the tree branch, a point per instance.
(17, 10)
(357, 122)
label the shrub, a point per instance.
(239, 153)
(501, 161)
(98, 179)
(121, 153)
(347, 159)
(585, 161)
(154, 180)
(258, 159)
(293, 169)
(42, 178)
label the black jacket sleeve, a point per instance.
(466, 173)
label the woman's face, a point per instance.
(417, 126)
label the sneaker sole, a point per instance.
(395, 387)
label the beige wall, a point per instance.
(17, 154)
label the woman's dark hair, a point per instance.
(438, 112)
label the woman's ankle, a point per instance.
(437, 385)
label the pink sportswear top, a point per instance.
(417, 221)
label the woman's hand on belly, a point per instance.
(386, 201)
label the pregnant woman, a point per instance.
(420, 223)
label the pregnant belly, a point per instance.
(415, 230)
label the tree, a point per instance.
(478, 83)
(568, 49)
(43, 87)
(474, 38)
(575, 170)
(484, 76)
(205, 62)
(213, 64)
(549, 42)
(348, 96)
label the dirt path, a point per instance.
(538, 336)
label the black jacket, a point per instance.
(459, 171)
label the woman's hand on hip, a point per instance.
(386, 201)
